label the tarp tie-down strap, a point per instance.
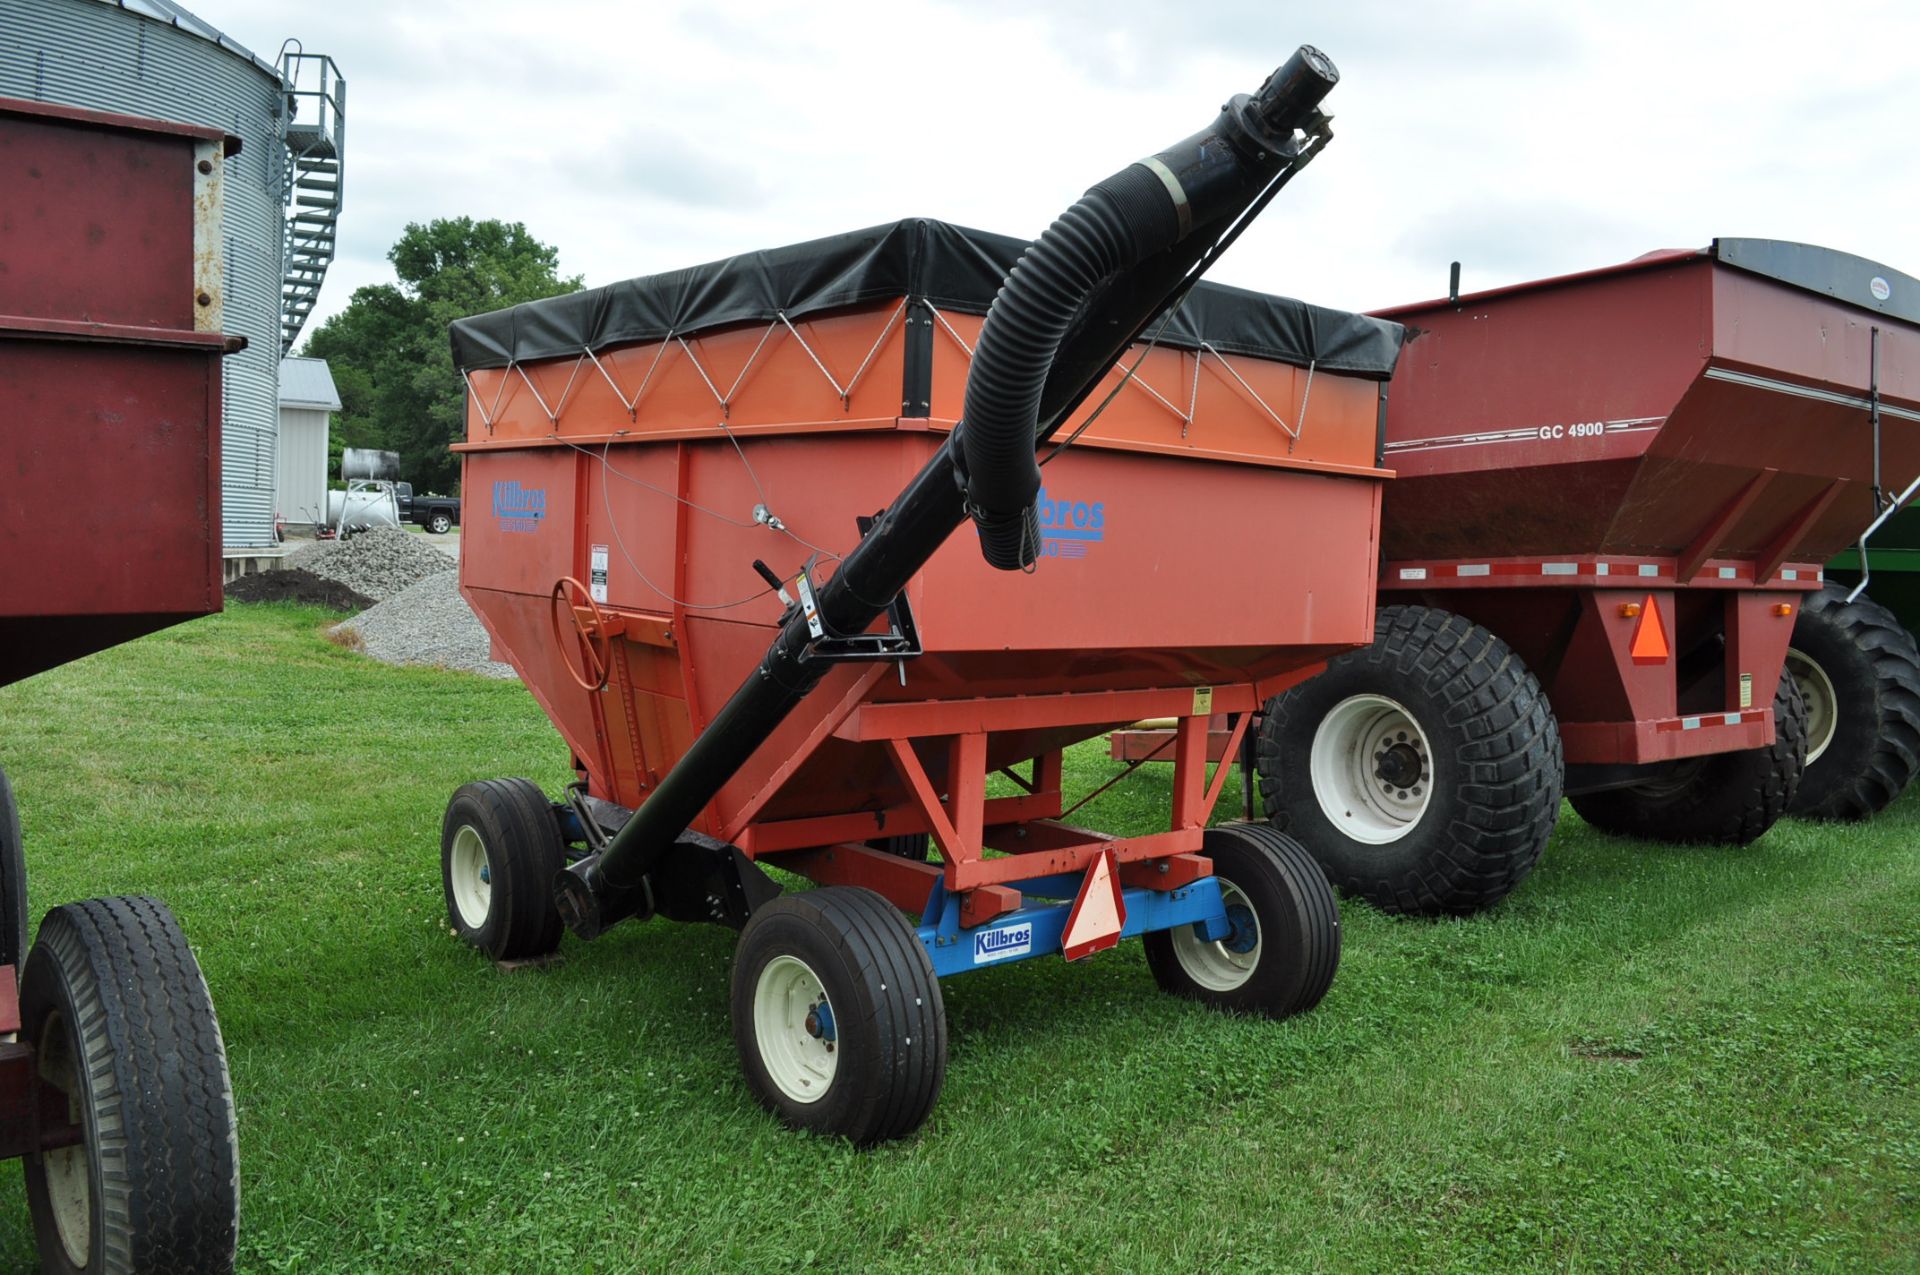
(1131, 376)
(490, 413)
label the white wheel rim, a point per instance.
(470, 874)
(1224, 965)
(1372, 769)
(794, 1026)
(69, 1172)
(1823, 703)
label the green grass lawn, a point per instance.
(1647, 1058)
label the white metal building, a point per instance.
(308, 400)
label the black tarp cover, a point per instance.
(950, 266)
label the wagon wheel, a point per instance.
(122, 1027)
(589, 628)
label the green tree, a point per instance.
(388, 348)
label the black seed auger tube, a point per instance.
(1078, 297)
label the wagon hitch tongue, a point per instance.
(1079, 296)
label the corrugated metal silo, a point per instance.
(151, 58)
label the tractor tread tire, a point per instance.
(154, 1100)
(1730, 798)
(1492, 723)
(1874, 666)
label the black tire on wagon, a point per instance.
(837, 1015)
(13, 881)
(1423, 772)
(121, 1022)
(1721, 799)
(914, 846)
(1280, 954)
(1859, 671)
(500, 850)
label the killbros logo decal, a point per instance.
(518, 508)
(1002, 943)
(1070, 528)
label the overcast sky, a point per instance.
(1522, 138)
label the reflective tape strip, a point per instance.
(1805, 391)
(1748, 718)
(1473, 569)
(1648, 569)
(1182, 209)
(1413, 573)
(1559, 568)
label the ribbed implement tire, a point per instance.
(13, 881)
(916, 846)
(115, 1006)
(1873, 667)
(1297, 919)
(1723, 799)
(887, 1008)
(1495, 750)
(524, 853)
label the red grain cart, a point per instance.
(1614, 491)
(636, 455)
(115, 1089)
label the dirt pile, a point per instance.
(299, 586)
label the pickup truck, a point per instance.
(437, 514)
(369, 502)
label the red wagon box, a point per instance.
(110, 349)
(1140, 595)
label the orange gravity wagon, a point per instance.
(712, 529)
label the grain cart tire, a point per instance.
(838, 1016)
(1724, 799)
(1284, 947)
(916, 846)
(121, 1021)
(1859, 672)
(500, 849)
(13, 882)
(1423, 772)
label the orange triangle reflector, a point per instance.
(1098, 911)
(1649, 644)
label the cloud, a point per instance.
(1519, 239)
(699, 172)
(1523, 138)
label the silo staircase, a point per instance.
(315, 138)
